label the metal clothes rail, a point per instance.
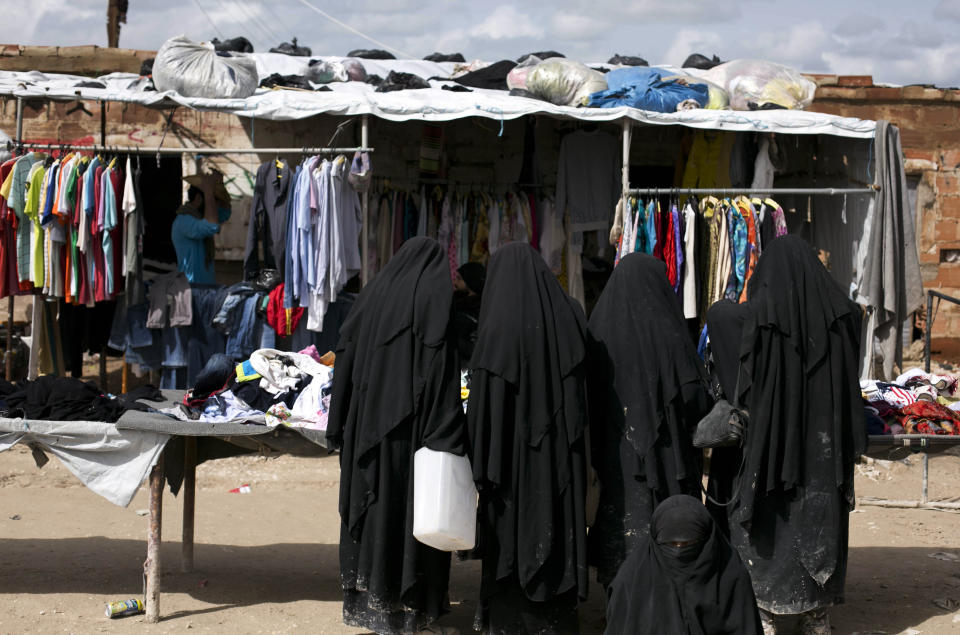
(730, 191)
(19, 144)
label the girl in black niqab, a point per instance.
(526, 419)
(647, 391)
(683, 579)
(396, 389)
(797, 363)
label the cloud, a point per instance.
(689, 41)
(507, 23)
(858, 24)
(571, 26)
(948, 9)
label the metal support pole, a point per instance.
(103, 123)
(103, 368)
(925, 462)
(365, 202)
(33, 366)
(148, 151)
(8, 355)
(19, 147)
(189, 502)
(625, 169)
(927, 328)
(151, 568)
(732, 191)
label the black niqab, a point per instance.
(396, 389)
(526, 420)
(698, 589)
(647, 392)
(798, 359)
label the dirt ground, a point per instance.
(266, 562)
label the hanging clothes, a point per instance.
(396, 389)
(526, 422)
(268, 218)
(647, 391)
(796, 365)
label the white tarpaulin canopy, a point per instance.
(433, 104)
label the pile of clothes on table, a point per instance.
(271, 387)
(915, 403)
(51, 398)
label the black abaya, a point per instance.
(396, 389)
(526, 419)
(699, 588)
(647, 392)
(798, 360)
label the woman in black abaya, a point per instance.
(797, 343)
(683, 579)
(396, 389)
(647, 392)
(526, 419)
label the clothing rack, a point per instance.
(19, 144)
(728, 191)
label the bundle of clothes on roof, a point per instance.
(218, 71)
(917, 402)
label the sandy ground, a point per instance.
(266, 562)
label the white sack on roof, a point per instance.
(195, 70)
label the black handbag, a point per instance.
(724, 426)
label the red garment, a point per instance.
(927, 417)
(283, 321)
(670, 248)
(9, 281)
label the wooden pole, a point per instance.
(151, 568)
(33, 366)
(189, 501)
(103, 368)
(124, 375)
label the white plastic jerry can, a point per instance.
(444, 500)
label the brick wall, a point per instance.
(929, 122)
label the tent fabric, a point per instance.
(434, 104)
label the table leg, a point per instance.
(189, 500)
(152, 565)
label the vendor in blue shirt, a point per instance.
(194, 227)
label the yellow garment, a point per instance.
(7, 186)
(709, 162)
(32, 211)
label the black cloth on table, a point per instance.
(798, 352)
(396, 390)
(526, 420)
(456, 89)
(700, 588)
(401, 81)
(445, 57)
(647, 391)
(286, 81)
(51, 398)
(493, 77)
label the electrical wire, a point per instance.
(207, 15)
(254, 13)
(354, 31)
(250, 21)
(278, 16)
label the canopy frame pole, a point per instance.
(189, 502)
(182, 150)
(365, 205)
(151, 568)
(33, 365)
(625, 169)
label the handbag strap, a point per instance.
(736, 484)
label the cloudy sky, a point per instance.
(896, 41)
